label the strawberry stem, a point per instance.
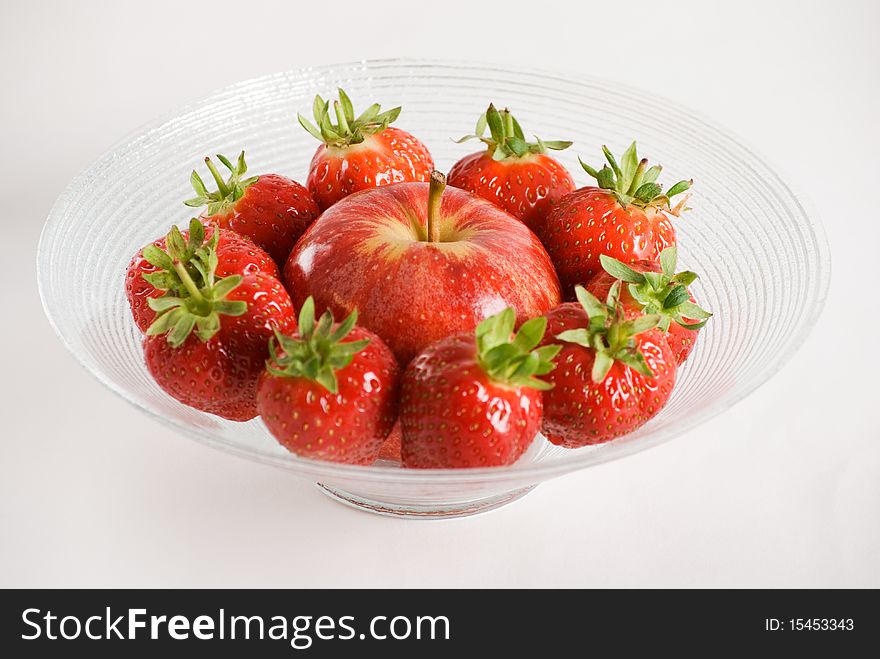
(609, 334)
(229, 191)
(515, 359)
(193, 300)
(341, 118)
(435, 196)
(349, 129)
(631, 181)
(191, 288)
(506, 138)
(507, 118)
(637, 177)
(221, 184)
(317, 351)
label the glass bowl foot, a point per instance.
(424, 511)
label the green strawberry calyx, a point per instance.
(228, 191)
(318, 351)
(506, 138)
(514, 359)
(665, 293)
(192, 253)
(348, 129)
(609, 334)
(165, 278)
(194, 298)
(633, 182)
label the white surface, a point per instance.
(783, 490)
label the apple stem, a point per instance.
(435, 196)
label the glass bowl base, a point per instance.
(429, 511)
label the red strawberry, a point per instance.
(655, 288)
(473, 400)
(271, 210)
(612, 375)
(361, 152)
(330, 391)
(207, 346)
(626, 216)
(513, 174)
(145, 278)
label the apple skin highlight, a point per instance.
(371, 251)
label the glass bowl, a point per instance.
(764, 262)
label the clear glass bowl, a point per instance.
(764, 262)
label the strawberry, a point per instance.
(515, 175)
(330, 391)
(207, 346)
(272, 210)
(391, 447)
(358, 153)
(656, 288)
(145, 277)
(626, 216)
(612, 375)
(474, 399)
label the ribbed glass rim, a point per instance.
(534, 472)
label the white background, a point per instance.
(783, 490)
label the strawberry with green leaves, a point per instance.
(615, 371)
(272, 210)
(626, 216)
(518, 176)
(329, 391)
(360, 152)
(474, 399)
(150, 275)
(207, 346)
(650, 287)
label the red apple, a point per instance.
(420, 263)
